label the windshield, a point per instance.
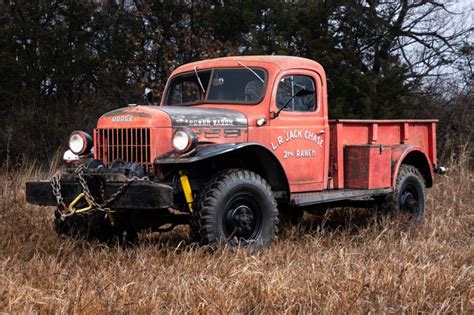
(238, 86)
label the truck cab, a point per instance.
(236, 145)
(298, 136)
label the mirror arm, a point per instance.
(285, 106)
(301, 92)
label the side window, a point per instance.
(289, 86)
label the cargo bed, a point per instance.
(354, 135)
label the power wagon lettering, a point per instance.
(207, 122)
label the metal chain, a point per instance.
(117, 193)
(55, 183)
(85, 189)
(113, 197)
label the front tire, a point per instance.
(409, 196)
(237, 208)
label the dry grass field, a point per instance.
(347, 261)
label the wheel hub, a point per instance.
(409, 201)
(243, 219)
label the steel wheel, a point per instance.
(237, 208)
(242, 219)
(409, 193)
(410, 200)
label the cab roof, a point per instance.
(282, 62)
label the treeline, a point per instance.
(64, 63)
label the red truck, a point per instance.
(236, 146)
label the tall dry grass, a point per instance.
(345, 262)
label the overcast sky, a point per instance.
(467, 8)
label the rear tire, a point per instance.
(237, 209)
(409, 195)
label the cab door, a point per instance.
(298, 134)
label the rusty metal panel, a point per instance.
(420, 134)
(367, 166)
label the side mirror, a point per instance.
(148, 96)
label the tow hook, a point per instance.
(72, 206)
(441, 170)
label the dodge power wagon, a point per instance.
(237, 146)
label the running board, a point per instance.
(312, 198)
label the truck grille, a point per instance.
(128, 144)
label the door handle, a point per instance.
(321, 132)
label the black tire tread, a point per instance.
(391, 202)
(206, 205)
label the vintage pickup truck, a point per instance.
(236, 146)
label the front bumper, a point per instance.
(141, 194)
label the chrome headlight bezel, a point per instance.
(183, 140)
(80, 142)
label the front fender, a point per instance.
(253, 156)
(201, 152)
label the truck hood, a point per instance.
(172, 116)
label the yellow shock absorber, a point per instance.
(111, 218)
(188, 193)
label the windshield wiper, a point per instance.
(251, 70)
(199, 79)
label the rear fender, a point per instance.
(412, 155)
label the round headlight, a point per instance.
(80, 142)
(183, 140)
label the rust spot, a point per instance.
(128, 111)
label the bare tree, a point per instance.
(426, 35)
